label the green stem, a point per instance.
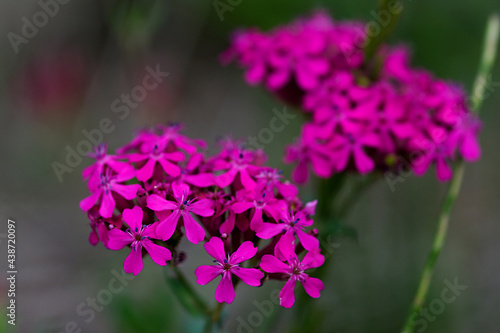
(215, 317)
(193, 302)
(392, 9)
(337, 205)
(487, 62)
(486, 65)
(185, 293)
(439, 238)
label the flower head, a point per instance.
(294, 270)
(226, 266)
(183, 206)
(230, 201)
(139, 237)
(365, 113)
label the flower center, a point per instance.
(226, 265)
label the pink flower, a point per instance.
(397, 64)
(227, 265)
(439, 150)
(240, 163)
(259, 201)
(153, 152)
(251, 49)
(100, 228)
(364, 115)
(181, 207)
(173, 138)
(353, 145)
(336, 101)
(271, 179)
(191, 175)
(465, 136)
(294, 270)
(138, 236)
(103, 160)
(291, 224)
(388, 117)
(297, 56)
(309, 151)
(103, 188)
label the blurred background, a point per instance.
(64, 79)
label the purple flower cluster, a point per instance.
(372, 115)
(161, 186)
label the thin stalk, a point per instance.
(392, 9)
(214, 318)
(486, 65)
(193, 302)
(307, 315)
(188, 297)
(439, 238)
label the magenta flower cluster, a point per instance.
(380, 114)
(161, 186)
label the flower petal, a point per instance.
(118, 239)
(225, 179)
(107, 205)
(176, 156)
(256, 221)
(271, 264)
(287, 295)
(200, 180)
(363, 163)
(443, 170)
(313, 286)
(93, 238)
(313, 259)
(246, 251)
(146, 172)
(225, 290)
(269, 230)
(309, 242)
(194, 231)
(129, 192)
(158, 254)
(215, 248)
(90, 201)
(166, 228)
(285, 248)
(157, 203)
(228, 225)
(180, 190)
(250, 276)
(470, 149)
(170, 168)
(205, 274)
(300, 174)
(240, 207)
(133, 262)
(133, 217)
(202, 207)
(247, 181)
